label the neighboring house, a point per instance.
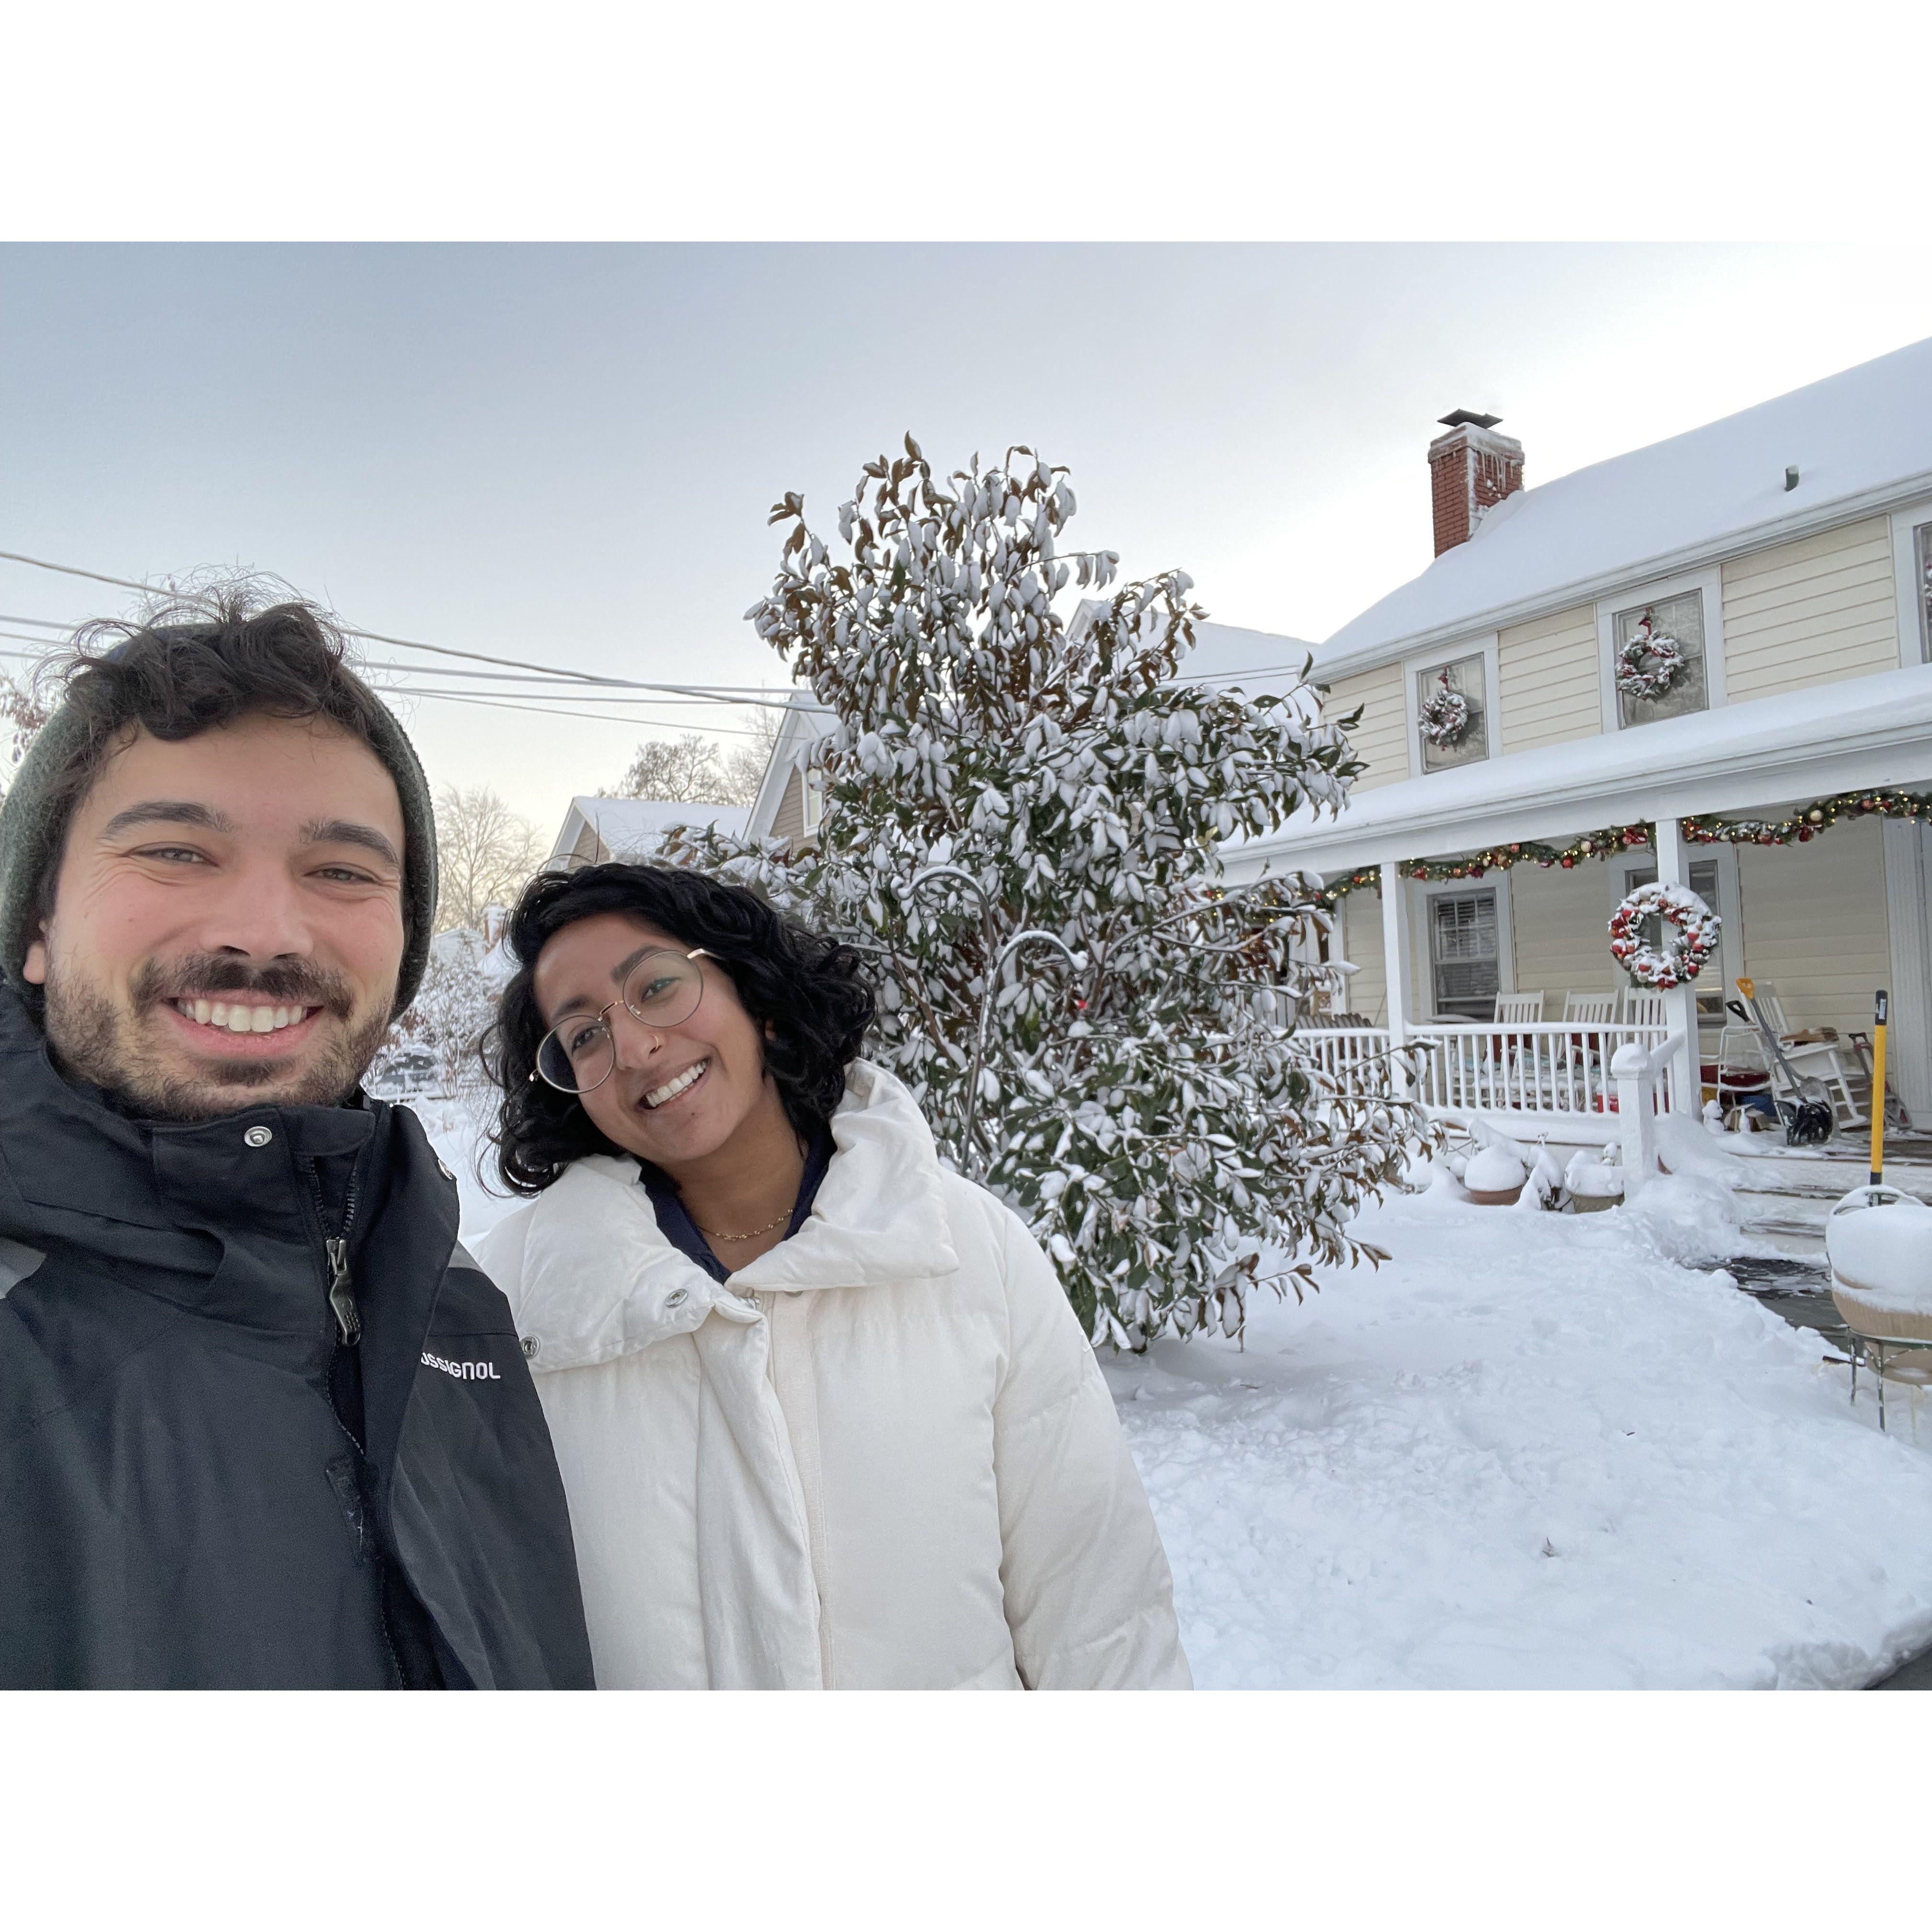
(790, 800)
(1787, 550)
(792, 794)
(597, 828)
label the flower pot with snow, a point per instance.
(1879, 1242)
(1592, 1183)
(1495, 1179)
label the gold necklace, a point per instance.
(712, 1234)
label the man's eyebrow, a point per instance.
(347, 831)
(168, 811)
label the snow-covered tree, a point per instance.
(1022, 821)
(456, 1000)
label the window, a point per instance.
(1463, 679)
(1681, 620)
(1921, 581)
(812, 780)
(1463, 969)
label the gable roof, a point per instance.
(1858, 440)
(635, 826)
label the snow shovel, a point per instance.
(1878, 1092)
(1807, 1114)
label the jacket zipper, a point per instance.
(335, 1258)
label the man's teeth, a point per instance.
(240, 1019)
(671, 1089)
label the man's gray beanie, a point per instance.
(32, 828)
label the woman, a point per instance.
(824, 1416)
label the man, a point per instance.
(262, 1422)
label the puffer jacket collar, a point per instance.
(203, 1214)
(599, 1278)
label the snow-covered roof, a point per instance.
(632, 826)
(1852, 438)
(1802, 744)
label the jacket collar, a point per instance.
(599, 1278)
(165, 1198)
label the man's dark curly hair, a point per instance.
(810, 991)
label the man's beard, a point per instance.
(107, 1045)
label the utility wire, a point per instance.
(412, 644)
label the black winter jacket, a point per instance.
(202, 1484)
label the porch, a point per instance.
(1472, 906)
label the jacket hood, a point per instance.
(600, 1280)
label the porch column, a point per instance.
(1680, 1003)
(1395, 964)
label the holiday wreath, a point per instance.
(1649, 662)
(1697, 929)
(1445, 716)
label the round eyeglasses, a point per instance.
(661, 989)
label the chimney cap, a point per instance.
(1456, 418)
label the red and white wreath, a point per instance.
(1696, 929)
(1649, 662)
(1445, 716)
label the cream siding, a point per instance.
(1551, 688)
(1811, 613)
(1559, 922)
(1361, 945)
(1381, 738)
(1815, 925)
(788, 821)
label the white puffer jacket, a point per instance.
(884, 1457)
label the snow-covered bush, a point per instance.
(456, 1001)
(1142, 1106)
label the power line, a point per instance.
(414, 644)
(546, 711)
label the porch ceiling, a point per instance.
(1803, 744)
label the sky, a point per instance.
(566, 454)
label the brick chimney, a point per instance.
(1470, 468)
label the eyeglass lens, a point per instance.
(579, 1053)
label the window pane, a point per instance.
(1463, 953)
(1922, 547)
(1682, 619)
(1464, 677)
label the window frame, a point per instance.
(1709, 584)
(1430, 889)
(1729, 909)
(1484, 646)
(1915, 622)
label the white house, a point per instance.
(788, 802)
(1787, 551)
(597, 828)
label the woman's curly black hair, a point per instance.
(810, 991)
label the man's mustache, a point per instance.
(290, 982)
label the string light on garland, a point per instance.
(1807, 821)
(1708, 829)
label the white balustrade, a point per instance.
(1550, 1067)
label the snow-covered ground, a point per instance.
(1531, 1450)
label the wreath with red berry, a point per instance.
(1692, 923)
(1649, 662)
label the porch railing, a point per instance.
(1544, 1067)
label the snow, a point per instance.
(1530, 1450)
(1493, 1171)
(1882, 1253)
(1739, 754)
(1856, 431)
(634, 827)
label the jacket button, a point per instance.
(677, 1297)
(443, 1169)
(530, 1345)
(259, 1136)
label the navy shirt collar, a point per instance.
(677, 1227)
